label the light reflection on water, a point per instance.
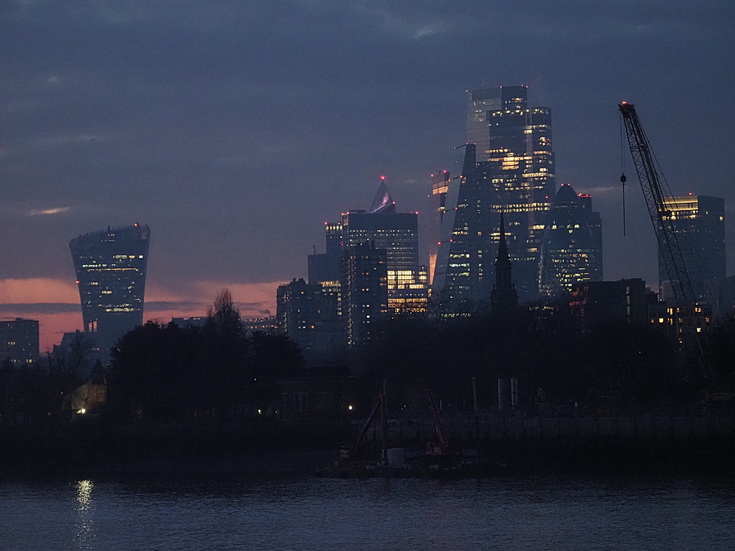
(281, 512)
(84, 535)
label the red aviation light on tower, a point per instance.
(382, 178)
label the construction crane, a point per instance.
(668, 243)
(653, 192)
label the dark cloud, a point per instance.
(235, 128)
(44, 308)
(38, 308)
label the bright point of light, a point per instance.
(82, 411)
(349, 407)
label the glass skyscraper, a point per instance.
(397, 234)
(364, 289)
(699, 224)
(520, 168)
(464, 271)
(111, 268)
(508, 168)
(572, 245)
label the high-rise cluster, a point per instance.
(509, 170)
(369, 272)
(502, 234)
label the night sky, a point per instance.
(235, 129)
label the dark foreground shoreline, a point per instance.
(98, 447)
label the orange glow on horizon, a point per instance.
(250, 298)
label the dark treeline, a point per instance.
(217, 370)
(611, 367)
(182, 391)
(163, 371)
(39, 394)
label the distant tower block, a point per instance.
(699, 223)
(111, 267)
(572, 246)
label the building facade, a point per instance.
(699, 225)
(364, 290)
(19, 341)
(110, 267)
(597, 303)
(397, 234)
(306, 314)
(571, 251)
(464, 270)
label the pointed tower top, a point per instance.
(383, 202)
(502, 243)
(504, 298)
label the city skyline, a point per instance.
(231, 142)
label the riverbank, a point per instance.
(99, 446)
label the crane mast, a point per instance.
(668, 243)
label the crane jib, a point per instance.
(660, 216)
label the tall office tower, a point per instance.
(324, 267)
(19, 341)
(571, 251)
(518, 164)
(397, 234)
(306, 315)
(110, 266)
(464, 270)
(479, 104)
(699, 223)
(364, 289)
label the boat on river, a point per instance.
(438, 458)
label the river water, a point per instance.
(281, 512)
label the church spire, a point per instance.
(504, 298)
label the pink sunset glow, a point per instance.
(55, 303)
